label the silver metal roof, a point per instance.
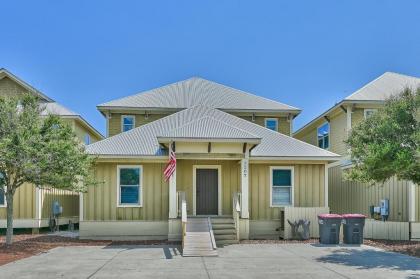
(197, 91)
(384, 87)
(57, 109)
(142, 141)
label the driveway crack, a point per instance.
(107, 262)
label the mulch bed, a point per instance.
(27, 245)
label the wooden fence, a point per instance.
(386, 230)
(309, 213)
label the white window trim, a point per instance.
(141, 188)
(329, 135)
(365, 111)
(219, 186)
(87, 136)
(274, 119)
(122, 121)
(5, 201)
(292, 169)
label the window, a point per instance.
(87, 139)
(281, 186)
(127, 123)
(271, 123)
(368, 112)
(129, 186)
(324, 135)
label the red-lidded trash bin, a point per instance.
(329, 228)
(353, 225)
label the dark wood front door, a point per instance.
(207, 192)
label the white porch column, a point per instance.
(412, 202)
(173, 212)
(245, 185)
(326, 185)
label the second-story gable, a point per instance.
(140, 109)
(336, 123)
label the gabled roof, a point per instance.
(206, 128)
(5, 73)
(57, 109)
(142, 141)
(197, 91)
(384, 87)
(376, 91)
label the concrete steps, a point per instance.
(224, 231)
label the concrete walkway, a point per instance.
(235, 261)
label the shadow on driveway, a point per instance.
(370, 258)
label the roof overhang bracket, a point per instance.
(327, 118)
(343, 108)
(244, 147)
(209, 147)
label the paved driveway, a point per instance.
(235, 261)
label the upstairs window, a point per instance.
(281, 186)
(324, 135)
(87, 139)
(369, 112)
(129, 186)
(127, 122)
(272, 124)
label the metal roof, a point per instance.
(197, 91)
(384, 87)
(57, 109)
(209, 128)
(142, 141)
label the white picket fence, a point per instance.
(308, 213)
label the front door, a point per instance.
(207, 192)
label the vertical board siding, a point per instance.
(354, 197)
(100, 201)
(230, 181)
(308, 190)
(306, 213)
(338, 133)
(386, 230)
(23, 203)
(283, 123)
(67, 199)
(115, 121)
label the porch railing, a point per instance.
(236, 211)
(182, 212)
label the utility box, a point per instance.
(384, 209)
(353, 225)
(57, 209)
(329, 228)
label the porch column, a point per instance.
(245, 185)
(173, 212)
(411, 202)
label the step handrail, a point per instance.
(183, 216)
(213, 241)
(236, 211)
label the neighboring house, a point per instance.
(32, 206)
(330, 130)
(226, 142)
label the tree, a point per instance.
(40, 150)
(387, 143)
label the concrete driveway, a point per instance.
(235, 261)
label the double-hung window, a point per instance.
(127, 122)
(281, 180)
(324, 135)
(87, 139)
(130, 190)
(369, 112)
(271, 123)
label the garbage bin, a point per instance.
(353, 225)
(329, 228)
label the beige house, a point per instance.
(330, 130)
(237, 166)
(32, 206)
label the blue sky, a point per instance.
(308, 54)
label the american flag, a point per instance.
(171, 166)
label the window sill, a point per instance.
(281, 205)
(129, 205)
